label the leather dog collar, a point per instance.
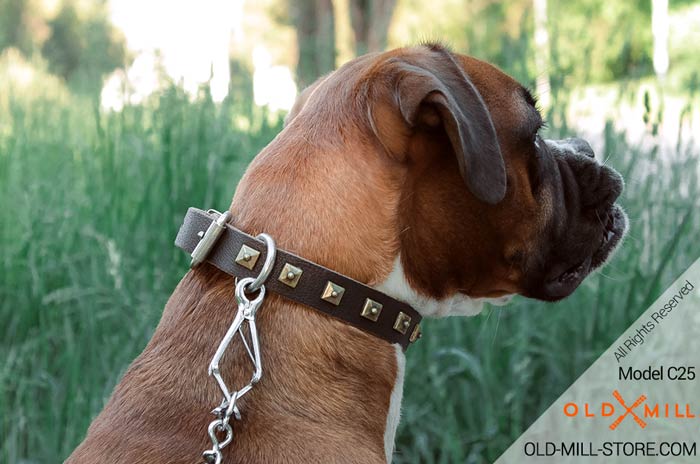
(236, 253)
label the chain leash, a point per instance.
(220, 429)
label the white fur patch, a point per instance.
(398, 287)
(394, 415)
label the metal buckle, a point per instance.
(209, 238)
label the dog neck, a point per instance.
(321, 376)
(325, 384)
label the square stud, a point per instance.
(333, 293)
(371, 310)
(402, 322)
(290, 275)
(247, 257)
(416, 334)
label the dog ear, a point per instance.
(436, 90)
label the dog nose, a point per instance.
(571, 146)
(599, 185)
(580, 146)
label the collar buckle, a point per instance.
(210, 237)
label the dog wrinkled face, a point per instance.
(585, 225)
(486, 207)
(572, 223)
(553, 224)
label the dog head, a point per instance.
(487, 208)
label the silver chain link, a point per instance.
(245, 316)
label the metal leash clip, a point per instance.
(245, 316)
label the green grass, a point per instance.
(89, 207)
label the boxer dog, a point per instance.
(417, 171)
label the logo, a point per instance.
(641, 411)
(628, 410)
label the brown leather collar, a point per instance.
(241, 255)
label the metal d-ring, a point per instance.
(267, 266)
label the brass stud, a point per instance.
(402, 322)
(247, 257)
(416, 334)
(290, 275)
(371, 310)
(332, 293)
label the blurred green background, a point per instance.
(102, 150)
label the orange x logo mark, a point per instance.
(628, 410)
